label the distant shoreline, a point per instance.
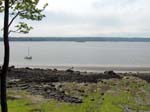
(78, 39)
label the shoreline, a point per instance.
(92, 68)
(49, 82)
(77, 88)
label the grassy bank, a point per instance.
(129, 94)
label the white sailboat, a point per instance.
(28, 57)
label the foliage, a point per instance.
(23, 9)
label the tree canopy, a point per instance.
(23, 9)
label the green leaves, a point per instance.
(28, 10)
(1, 6)
(23, 28)
(45, 5)
(24, 9)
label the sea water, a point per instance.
(79, 53)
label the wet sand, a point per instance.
(93, 68)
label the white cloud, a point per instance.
(94, 18)
(69, 6)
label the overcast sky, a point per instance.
(121, 18)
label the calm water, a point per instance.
(76, 53)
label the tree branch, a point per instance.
(12, 31)
(13, 19)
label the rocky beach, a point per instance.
(72, 86)
(47, 82)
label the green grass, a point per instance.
(21, 106)
(118, 95)
(93, 103)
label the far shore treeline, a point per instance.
(79, 39)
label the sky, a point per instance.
(95, 18)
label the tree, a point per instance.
(6, 58)
(24, 9)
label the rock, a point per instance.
(102, 94)
(92, 99)
(145, 77)
(14, 80)
(11, 68)
(70, 70)
(81, 91)
(58, 85)
(72, 99)
(76, 73)
(49, 83)
(28, 68)
(111, 74)
(14, 97)
(55, 70)
(24, 86)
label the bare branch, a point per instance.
(13, 31)
(13, 19)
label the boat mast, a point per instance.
(28, 51)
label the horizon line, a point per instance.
(77, 37)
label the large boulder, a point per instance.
(111, 74)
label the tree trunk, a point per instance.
(6, 60)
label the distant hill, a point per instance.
(79, 39)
